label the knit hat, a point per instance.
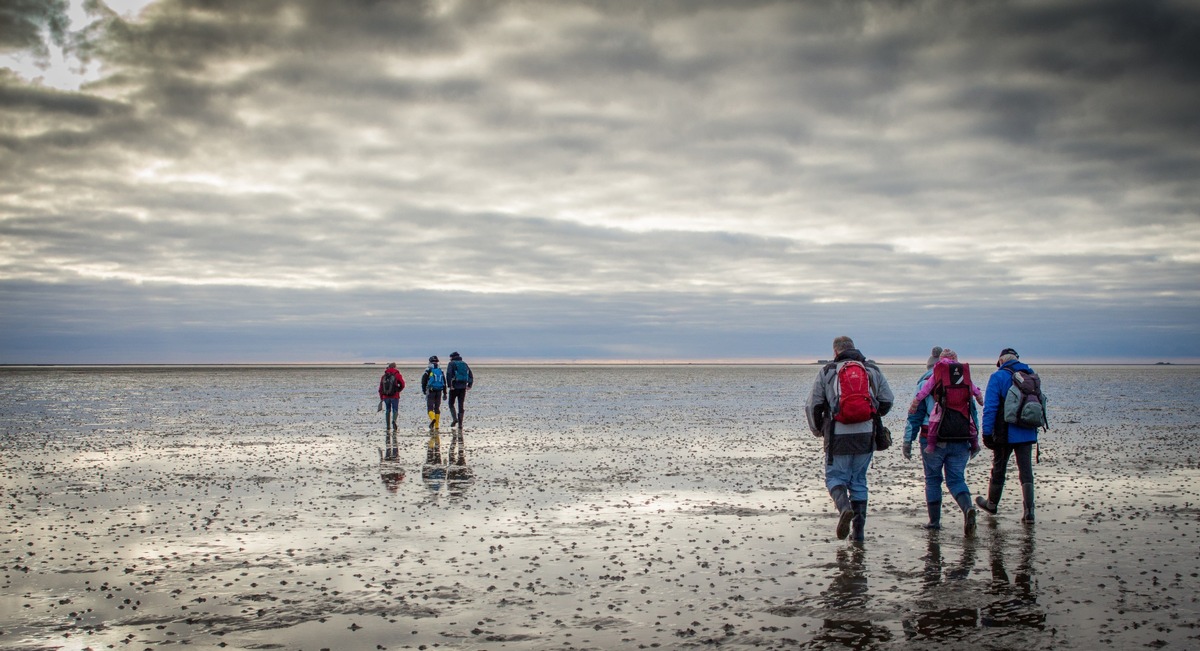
(948, 354)
(455, 355)
(933, 356)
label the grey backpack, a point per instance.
(1025, 404)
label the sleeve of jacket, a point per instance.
(993, 398)
(912, 428)
(816, 408)
(399, 382)
(883, 392)
(425, 382)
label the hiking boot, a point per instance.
(841, 500)
(992, 503)
(986, 505)
(1027, 496)
(969, 512)
(859, 523)
(935, 514)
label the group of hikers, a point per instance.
(848, 401)
(437, 386)
(851, 395)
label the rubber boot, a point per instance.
(437, 421)
(969, 512)
(1027, 495)
(935, 514)
(859, 523)
(841, 500)
(430, 420)
(991, 504)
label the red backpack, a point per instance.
(854, 394)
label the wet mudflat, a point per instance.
(599, 508)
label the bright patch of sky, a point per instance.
(61, 68)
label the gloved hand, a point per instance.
(907, 450)
(988, 443)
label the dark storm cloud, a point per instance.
(27, 24)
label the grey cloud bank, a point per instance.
(314, 181)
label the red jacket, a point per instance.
(399, 384)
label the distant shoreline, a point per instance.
(375, 365)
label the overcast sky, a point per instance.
(336, 181)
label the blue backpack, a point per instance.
(460, 371)
(437, 379)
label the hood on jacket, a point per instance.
(1016, 365)
(850, 353)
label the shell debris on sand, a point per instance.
(591, 512)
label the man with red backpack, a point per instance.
(848, 399)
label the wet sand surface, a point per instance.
(599, 508)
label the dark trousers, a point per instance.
(1024, 454)
(433, 400)
(461, 396)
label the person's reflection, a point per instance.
(847, 598)
(457, 445)
(391, 446)
(943, 586)
(389, 456)
(1017, 606)
(459, 476)
(434, 477)
(391, 478)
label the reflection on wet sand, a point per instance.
(454, 475)
(941, 585)
(241, 521)
(1017, 605)
(849, 624)
(389, 457)
(973, 604)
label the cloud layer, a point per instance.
(605, 180)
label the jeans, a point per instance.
(849, 470)
(950, 459)
(393, 408)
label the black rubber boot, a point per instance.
(1027, 495)
(991, 504)
(969, 512)
(859, 523)
(935, 514)
(841, 500)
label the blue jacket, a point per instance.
(993, 405)
(912, 429)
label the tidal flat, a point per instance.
(599, 507)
